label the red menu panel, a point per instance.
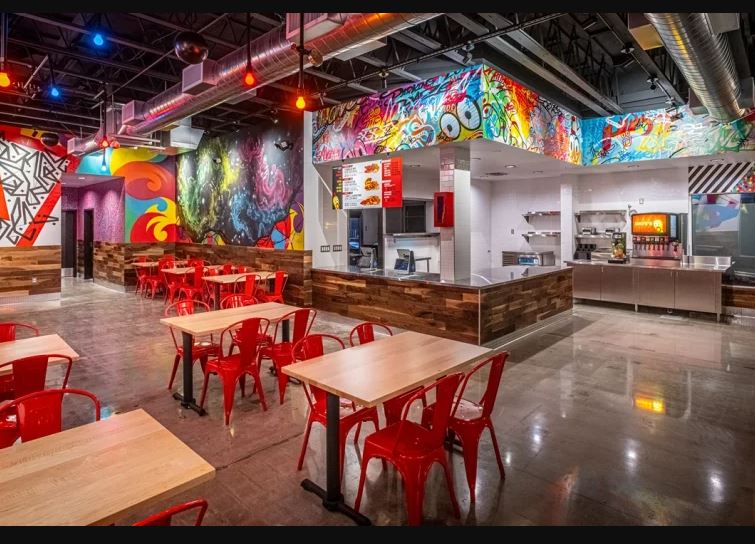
(392, 183)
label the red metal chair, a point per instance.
(195, 262)
(469, 419)
(280, 352)
(364, 333)
(141, 280)
(157, 281)
(248, 284)
(193, 289)
(413, 448)
(8, 330)
(227, 268)
(209, 287)
(164, 518)
(312, 346)
(39, 414)
(279, 283)
(240, 269)
(29, 375)
(202, 349)
(233, 367)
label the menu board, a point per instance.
(369, 184)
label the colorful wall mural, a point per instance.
(658, 134)
(150, 187)
(443, 109)
(30, 174)
(243, 189)
(519, 117)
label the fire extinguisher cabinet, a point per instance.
(443, 209)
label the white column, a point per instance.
(567, 197)
(456, 241)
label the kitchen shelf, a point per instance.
(412, 234)
(544, 233)
(541, 213)
(601, 212)
(592, 236)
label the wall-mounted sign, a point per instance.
(443, 206)
(372, 184)
(653, 224)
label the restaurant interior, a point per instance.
(510, 255)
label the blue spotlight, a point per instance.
(98, 39)
(54, 92)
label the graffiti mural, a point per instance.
(30, 174)
(658, 134)
(519, 117)
(443, 109)
(150, 184)
(243, 189)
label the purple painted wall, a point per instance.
(107, 199)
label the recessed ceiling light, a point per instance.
(537, 171)
(633, 166)
(717, 160)
(496, 174)
(82, 178)
(476, 158)
(510, 166)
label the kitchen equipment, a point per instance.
(405, 263)
(659, 235)
(543, 258)
(618, 248)
(584, 251)
(602, 256)
(368, 257)
(510, 258)
(588, 230)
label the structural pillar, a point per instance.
(456, 241)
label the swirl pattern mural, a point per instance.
(242, 189)
(658, 134)
(443, 109)
(150, 182)
(519, 117)
(30, 191)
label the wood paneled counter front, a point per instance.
(478, 309)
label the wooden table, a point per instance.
(96, 473)
(180, 271)
(204, 323)
(152, 264)
(370, 374)
(225, 279)
(36, 345)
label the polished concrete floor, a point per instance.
(606, 417)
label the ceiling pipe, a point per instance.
(273, 58)
(704, 58)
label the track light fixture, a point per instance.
(467, 49)
(653, 82)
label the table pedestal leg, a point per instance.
(216, 302)
(187, 399)
(332, 498)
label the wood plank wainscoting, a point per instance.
(29, 270)
(470, 314)
(738, 296)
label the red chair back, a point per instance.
(141, 259)
(445, 388)
(249, 333)
(227, 268)
(30, 373)
(197, 275)
(279, 283)
(8, 330)
(233, 301)
(309, 347)
(251, 285)
(240, 269)
(40, 414)
(164, 519)
(494, 381)
(365, 332)
(183, 307)
(195, 262)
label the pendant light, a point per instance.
(249, 75)
(104, 143)
(301, 103)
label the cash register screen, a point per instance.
(401, 264)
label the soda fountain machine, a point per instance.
(659, 235)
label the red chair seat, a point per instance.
(415, 440)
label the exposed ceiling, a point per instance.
(575, 59)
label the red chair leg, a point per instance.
(282, 381)
(470, 444)
(414, 489)
(242, 385)
(260, 391)
(449, 482)
(204, 389)
(304, 444)
(366, 456)
(496, 450)
(173, 372)
(229, 388)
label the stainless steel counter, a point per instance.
(692, 285)
(480, 280)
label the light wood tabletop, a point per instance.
(372, 373)
(35, 345)
(188, 269)
(96, 473)
(204, 323)
(232, 278)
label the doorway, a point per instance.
(68, 243)
(88, 244)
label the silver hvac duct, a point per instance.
(704, 58)
(273, 58)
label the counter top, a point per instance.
(479, 280)
(655, 263)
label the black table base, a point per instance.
(332, 498)
(187, 399)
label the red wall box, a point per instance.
(443, 209)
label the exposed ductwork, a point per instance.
(704, 58)
(273, 57)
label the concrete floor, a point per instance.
(578, 446)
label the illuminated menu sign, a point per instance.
(370, 184)
(650, 224)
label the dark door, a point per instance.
(88, 244)
(68, 242)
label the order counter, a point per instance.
(672, 284)
(477, 309)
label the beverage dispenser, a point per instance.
(658, 235)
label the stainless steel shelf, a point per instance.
(592, 235)
(540, 213)
(622, 213)
(413, 235)
(543, 233)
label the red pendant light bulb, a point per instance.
(4, 79)
(300, 102)
(104, 143)
(249, 77)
